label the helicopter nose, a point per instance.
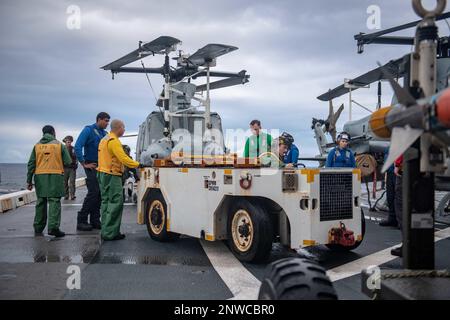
(443, 108)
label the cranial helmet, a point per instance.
(343, 135)
(288, 139)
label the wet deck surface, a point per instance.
(140, 268)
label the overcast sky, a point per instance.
(294, 51)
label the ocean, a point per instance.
(13, 177)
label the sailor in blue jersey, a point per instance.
(290, 158)
(341, 156)
(86, 150)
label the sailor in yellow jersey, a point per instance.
(111, 162)
(46, 164)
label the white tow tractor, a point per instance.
(211, 194)
(252, 210)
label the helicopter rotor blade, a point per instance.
(403, 96)
(157, 46)
(394, 66)
(221, 74)
(223, 83)
(209, 52)
(338, 113)
(330, 109)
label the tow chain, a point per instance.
(417, 274)
(412, 274)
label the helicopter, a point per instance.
(158, 135)
(366, 145)
(418, 126)
(362, 139)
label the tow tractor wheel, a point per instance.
(249, 231)
(340, 248)
(296, 279)
(156, 220)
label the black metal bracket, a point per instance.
(377, 37)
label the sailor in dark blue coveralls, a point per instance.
(341, 156)
(391, 220)
(86, 149)
(290, 158)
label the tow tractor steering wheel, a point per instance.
(268, 159)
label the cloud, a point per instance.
(293, 50)
(18, 138)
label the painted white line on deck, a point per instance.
(378, 258)
(242, 284)
(372, 218)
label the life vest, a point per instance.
(341, 158)
(337, 154)
(258, 145)
(107, 162)
(49, 158)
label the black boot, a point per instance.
(96, 225)
(398, 252)
(389, 223)
(84, 227)
(57, 233)
(120, 236)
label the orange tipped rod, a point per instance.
(377, 122)
(435, 110)
(443, 108)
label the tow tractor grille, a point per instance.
(336, 196)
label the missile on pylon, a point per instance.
(431, 114)
(409, 119)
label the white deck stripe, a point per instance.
(373, 218)
(378, 258)
(242, 284)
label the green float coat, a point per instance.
(49, 190)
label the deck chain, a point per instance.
(417, 274)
